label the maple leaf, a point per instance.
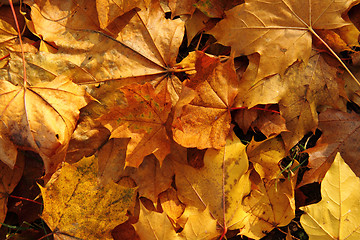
(269, 122)
(171, 204)
(108, 11)
(219, 185)
(9, 180)
(150, 178)
(280, 31)
(129, 47)
(339, 134)
(202, 115)
(270, 90)
(319, 86)
(40, 118)
(130, 50)
(199, 225)
(336, 215)
(268, 205)
(79, 205)
(266, 155)
(154, 225)
(143, 120)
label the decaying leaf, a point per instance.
(336, 216)
(78, 204)
(319, 86)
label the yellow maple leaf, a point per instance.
(154, 226)
(336, 216)
(219, 185)
(78, 204)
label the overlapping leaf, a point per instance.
(40, 118)
(9, 180)
(319, 86)
(336, 216)
(154, 225)
(129, 47)
(280, 31)
(220, 185)
(202, 115)
(77, 204)
(143, 120)
(340, 134)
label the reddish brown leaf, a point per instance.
(202, 115)
(142, 120)
(340, 133)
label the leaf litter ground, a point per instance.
(277, 121)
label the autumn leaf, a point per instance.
(181, 7)
(268, 121)
(270, 204)
(216, 8)
(76, 195)
(280, 31)
(171, 204)
(200, 225)
(9, 180)
(202, 115)
(40, 118)
(339, 134)
(143, 120)
(130, 42)
(336, 215)
(266, 155)
(130, 50)
(108, 11)
(220, 185)
(154, 225)
(150, 178)
(319, 86)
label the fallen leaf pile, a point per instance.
(179, 119)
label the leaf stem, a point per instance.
(21, 43)
(26, 199)
(335, 55)
(255, 108)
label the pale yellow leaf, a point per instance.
(336, 216)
